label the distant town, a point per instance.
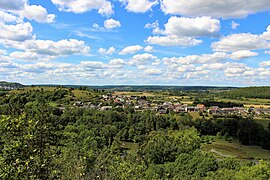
(140, 103)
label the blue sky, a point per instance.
(139, 42)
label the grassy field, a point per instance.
(222, 148)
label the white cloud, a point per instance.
(139, 59)
(2, 52)
(139, 6)
(116, 63)
(184, 31)
(37, 13)
(31, 12)
(265, 64)
(186, 68)
(192, 27)
(149, 49)
(218, 9)
(266, 35)
(104, 7)
(103, 51)
(111, 24)
(12, 4)
(233, 70)
(155, 27)
(30, 56)
(234, 25)
(131, 50)
(173, 41)
(46, 49)
(92, 65)
(18, 32)
(141, 67)
(62, 47)
(6, 17)
(197, 59)
(153, 72)
(238, 42)
(238, 55)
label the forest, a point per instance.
(38, 140)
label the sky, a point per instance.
(135, 42)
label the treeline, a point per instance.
(221, 104)
(247, 92)
(38, 141)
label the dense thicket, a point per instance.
(248, 92)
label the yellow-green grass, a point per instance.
(82, 95)
(128, 145)
(223, 148)
(195, 115)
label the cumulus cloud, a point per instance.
(13, 5)
(153, 72)
(238, 55)
(6, 17)
(149, 49)
(116, 63)
(31, 12)
(131, 50)
(62, 47)
(184, 31)
(197, 59)
(218, 9)
(92, 65)
(140, 59)
(265, 64)
(103, 51)
(239, 42)
(18, 32)
(266, 35)
(2, 51)
(47, 49)
(37, 13)
(139, 6)
(111, 24)
(104, 7)
(173, 41)
(234, 25)
(192, 27)
(155, 27)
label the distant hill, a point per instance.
(148, 87)
(248, 92)
(9, 85)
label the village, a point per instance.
(141, 103)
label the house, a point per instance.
(190, 109)
(179, 109)
(200, 107)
